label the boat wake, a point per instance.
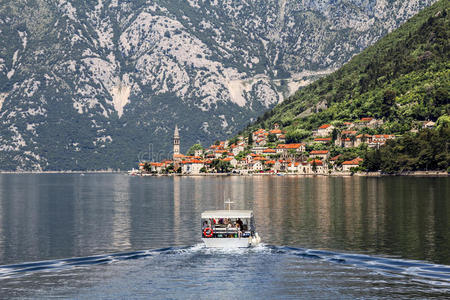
(416, 270)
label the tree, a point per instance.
(193, 148)
(272, 138)
(147, 167)
(388, 102)
(334, 134)
(297, 135)
(250, 139)
(221, 166)
(372, 161)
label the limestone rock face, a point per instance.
(98, 84)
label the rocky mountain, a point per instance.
(97, 84)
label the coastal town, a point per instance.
(266, 151)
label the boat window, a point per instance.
(226, 227)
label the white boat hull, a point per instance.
(231, 242)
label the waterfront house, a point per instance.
(293, 167)
(303, 168)
(192, 166)
(334, 159)
(157, 167)
(347, 165)
(317, 166)
(270, 164)
(257, 165)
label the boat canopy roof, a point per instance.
(215, 214)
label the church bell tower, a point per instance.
(176, 141)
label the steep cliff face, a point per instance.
(99, 84)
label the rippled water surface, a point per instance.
(115, 236)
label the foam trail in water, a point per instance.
(17, 270)
(417, 270)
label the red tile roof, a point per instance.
(259, 158)
(318, 162)
(270, 151)
(319, 152)
(349, 132)
(366, 119)
(355, 162)
(335, 157)
(386, 136)
(289, 146)
(192, 161)
(324, 126)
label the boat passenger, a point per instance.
(238, 228)
(241, 224)
(205, 225)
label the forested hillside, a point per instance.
(403, 78)
(403, 81)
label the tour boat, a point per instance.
(229, 229)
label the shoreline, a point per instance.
(61, 172)
(335, 174)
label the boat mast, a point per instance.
(229, 204)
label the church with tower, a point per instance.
(176, 142)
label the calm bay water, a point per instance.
(139, 237)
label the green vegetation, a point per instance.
(402, 78)
(193, 148)
(221, 166)
(427, 150)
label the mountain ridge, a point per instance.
(91, 85)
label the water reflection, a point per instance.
(58, 216)
(121, 217)
(394, 216)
